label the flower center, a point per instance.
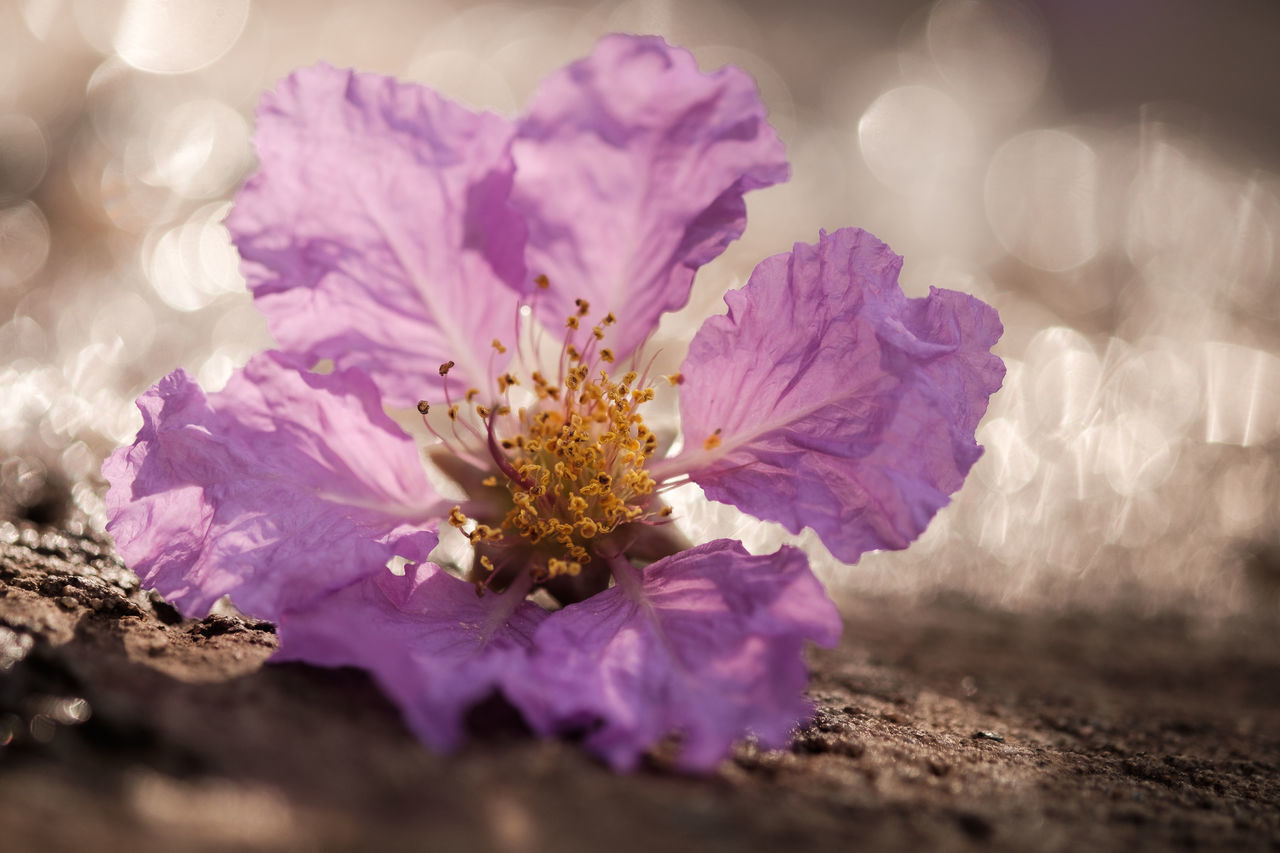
(570, 479)
(579, 465)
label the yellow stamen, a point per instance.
(572, 461)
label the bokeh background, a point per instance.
(1107, 174)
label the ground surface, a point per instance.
(939, 728)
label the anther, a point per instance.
(571, 322)
(583, 307)
(423, 407)
(497, 344)
(444, 368)
(675, 378)
(713, 440)
(542, 281)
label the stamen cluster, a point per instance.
(572, 463)
(580, 465)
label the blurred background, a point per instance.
(1107, 174)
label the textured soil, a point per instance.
(940, 727)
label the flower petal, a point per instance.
(275, 490)
(705, 644)
(431, 643)
(826, 398)
(377, 232)
(631, 167)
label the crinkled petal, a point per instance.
(377, 231)
(279, 488)
(432, 644)
(706, 644)
(837, 403)
(631, 167)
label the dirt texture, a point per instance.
(939, 727)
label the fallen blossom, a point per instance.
(503, 277)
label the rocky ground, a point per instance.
(940, 727)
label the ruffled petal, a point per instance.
(826, 398)
(377, 231)
(706, 644)
(279, 488)
(631, 167)
(430, 642)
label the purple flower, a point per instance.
(503, 277)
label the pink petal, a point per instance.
(632, 165)
(377, 231)
(431, 643)
(841, 405)
(705, 644)
(277, 489)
